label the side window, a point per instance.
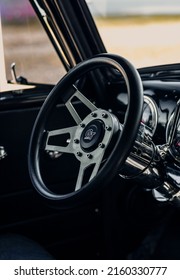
(26, 44)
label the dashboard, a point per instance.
(160, 100)
(156, 165)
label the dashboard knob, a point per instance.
(3, 153)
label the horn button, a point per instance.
(92, 135)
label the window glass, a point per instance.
(143, 31)
(26, 44)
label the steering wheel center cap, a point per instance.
(92, 135)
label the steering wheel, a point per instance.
(99, 142)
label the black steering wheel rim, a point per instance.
(122, 148)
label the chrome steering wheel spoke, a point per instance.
(84, 100)
(84, 165)
(68, 148)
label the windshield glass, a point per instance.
(145, 32)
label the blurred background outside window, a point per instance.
(27, 45)
(145, 32)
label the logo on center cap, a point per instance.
(89, 134)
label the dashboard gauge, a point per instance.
(150, 115)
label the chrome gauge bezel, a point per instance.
(174, 153)
(168, 126)
(154, 112)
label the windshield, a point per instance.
(145, 32)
